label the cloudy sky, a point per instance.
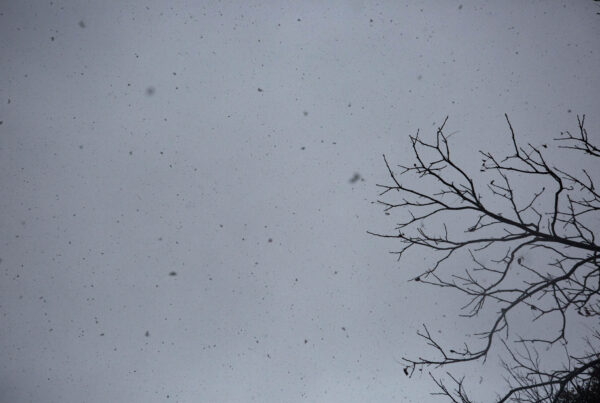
(187, 186)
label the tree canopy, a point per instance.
(517, 239)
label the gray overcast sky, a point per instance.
(217, 141)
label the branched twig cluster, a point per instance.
(544, 211)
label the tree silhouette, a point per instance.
(518, 240)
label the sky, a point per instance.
(187, 186)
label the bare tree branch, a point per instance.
(555, 215)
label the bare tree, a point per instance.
(480, 235)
